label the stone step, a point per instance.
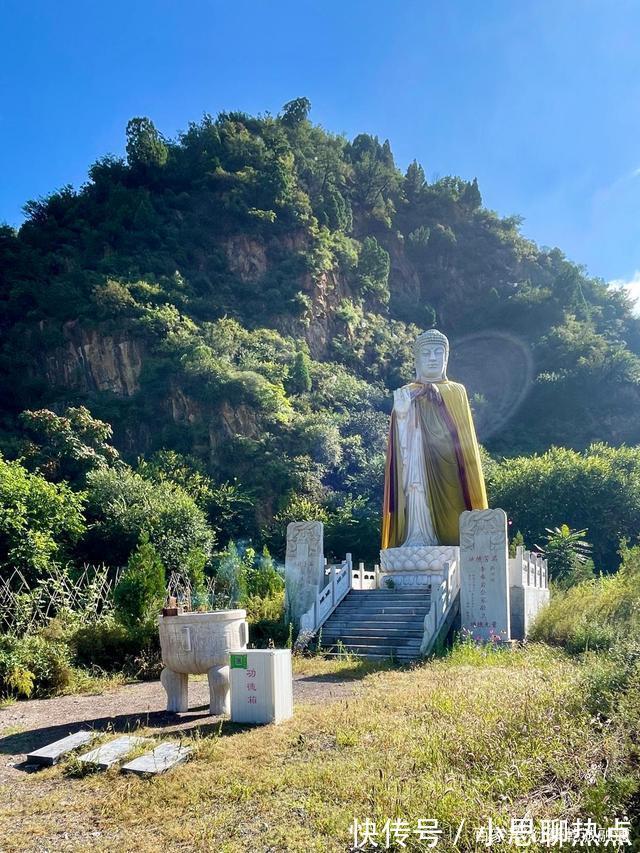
(379, 640)
(165, 756)
(405, 604)
(387, 596)
(111, 752)
(53, 752)
(377, 652)
(380, 595)
(374, 630)
(390, 608)
(380, 602)
(379, 615)
(381, 624)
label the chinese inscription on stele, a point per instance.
(484, 575)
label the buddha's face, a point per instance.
(431, 362)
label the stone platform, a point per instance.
(414, 566)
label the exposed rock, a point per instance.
(182, 408)
(90, 360)
(236, 420)
(247, 257)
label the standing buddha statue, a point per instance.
(433, 470)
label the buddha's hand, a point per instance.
(402, 401)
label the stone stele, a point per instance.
(484, 575)
(303, 566)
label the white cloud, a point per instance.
(632, 286)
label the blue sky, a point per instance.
(540, 99)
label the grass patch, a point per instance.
(346, 666)
(597, 614)
(477, 734)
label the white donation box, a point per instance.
(261, 685)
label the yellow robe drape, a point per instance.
(455, 480)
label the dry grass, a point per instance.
(474, 735)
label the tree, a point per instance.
(145, 147)
(598, 490)
(40, 522)
(140, 592)
(414, 182)
(373, 269)
(122, 506)
(568, 555)
(300, 381)
(68, 446)
(295, 112)
(471, 197)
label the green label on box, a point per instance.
(238, 661)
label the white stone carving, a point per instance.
(424, 558)
(484, 575)
(416, 567)
(199, 643)
(431, 351)
(303, 567)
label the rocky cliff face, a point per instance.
(92, 361)
(108, 358)
(247, 257)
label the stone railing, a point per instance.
(528, 569)
(338, 584)
(445, 589)
(363, 578)
(528, 590)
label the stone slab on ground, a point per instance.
(53, 752)
(33, 723)
(110, 753)
(165, 756)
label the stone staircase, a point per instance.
(378, 623)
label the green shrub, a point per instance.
(597, 490)
(264, 581)
(35, 665)
(568, 555)
(39, 521)
(597, 614)
(141, 590)
(122, 505)
(113, 647)
(267, 625)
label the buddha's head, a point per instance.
(431, 351)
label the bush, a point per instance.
(568, 556)
(122, 505)
(598, 614)
(36, 665)
(39, 521)
(598, 490)
(264, 581)
(231, 575)
(141, 591)
(266, 617)
(113, 647)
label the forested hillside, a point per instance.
(246, 296)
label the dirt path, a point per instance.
(25, 726)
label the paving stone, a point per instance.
(165, 756)
(110, 753)
(53, 752)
